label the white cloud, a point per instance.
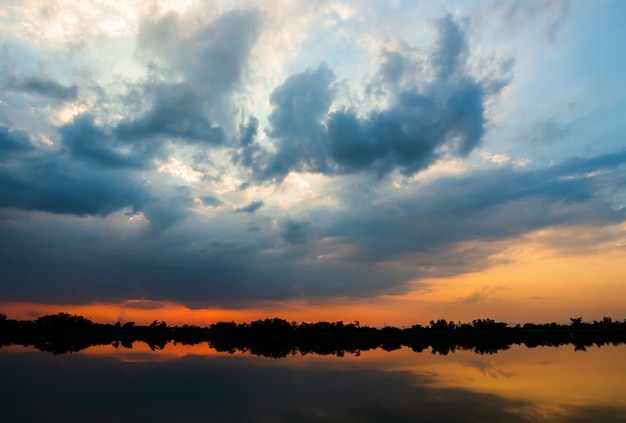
(177, 168)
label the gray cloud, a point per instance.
(372, 240)
(409, 133)
(65, 181)
(13, 141)
(197, 265)
(417, 127)
(43, 86)
(200, 70)
(485, 205)
(189, 101)
(300, 105)
(295, 232)
(451, 49)
(168, 208)
(210, 201)
(517, 14)
(251, 208)
(86, 141)
(91, 174)
(249, 148)
(178, 112)
(53, 184)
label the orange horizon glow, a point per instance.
(527, 282)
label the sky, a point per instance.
(387, 162)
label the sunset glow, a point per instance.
(382, 162)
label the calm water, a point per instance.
(197, 384)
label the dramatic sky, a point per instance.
(381, 161)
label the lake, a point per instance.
(198, 384)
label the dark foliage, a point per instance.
(62, 333)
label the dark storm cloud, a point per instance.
(194, 263)
(417, 127)
(51, 184)
(168, 208)
(65, 181)
(13, 141)
(92, 174)
(43, 86)
(200, 70)
(251, 208)
(190, 264)
(198, 266)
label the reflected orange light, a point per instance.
(141, 352)
(545, 376)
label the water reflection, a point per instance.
(197, 383)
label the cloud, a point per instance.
(375, 245)
(165, 209)
(43, 86)
(479, 295)
(184, 114)
(86, 141)
(209, 200)
(300, 104)
(417, 127)
(577, 165)
(203, 67)
(548, 131)
(249, 149)
(487, 205)
(295, 232)
(13, 142)
(523, 13)
(176, 112)
(410, 134)
(450, 50)
(200, 69)
(52, 184)
(87, 176)
(251, 208)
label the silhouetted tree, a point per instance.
(576, 322)
(442, 325)
(63, 332)
(64, 319)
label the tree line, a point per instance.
(274, 337)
